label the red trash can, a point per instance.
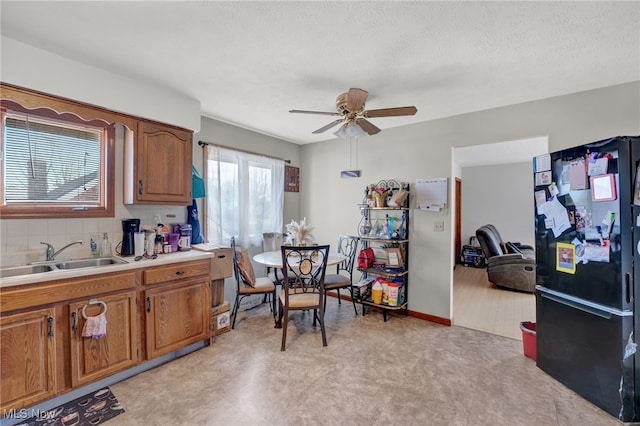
(529, 339)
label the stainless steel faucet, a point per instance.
(51, 254)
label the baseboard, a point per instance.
(414, 314)
(432, 318)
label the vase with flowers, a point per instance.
(299, 233)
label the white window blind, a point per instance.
(50, 162)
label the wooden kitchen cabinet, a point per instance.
(152, 310)
(41, 357)
(162, 165)
(177, 308)
(28, 358)
(93, 359)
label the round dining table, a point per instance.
(273, 259)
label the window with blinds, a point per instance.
(57, 156)
(51, 162)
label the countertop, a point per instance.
(162, 259)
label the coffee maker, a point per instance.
(129, 228)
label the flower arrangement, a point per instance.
(299, 233)
(378, 195)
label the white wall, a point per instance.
(501, 195)
(424, 150)
(27, 66)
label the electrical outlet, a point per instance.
(438, 226)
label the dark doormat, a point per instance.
(89, 410)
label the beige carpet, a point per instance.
(479, 305)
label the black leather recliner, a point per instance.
(509, 265)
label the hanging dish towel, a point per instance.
(95, 327)
(197, 184)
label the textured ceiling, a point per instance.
(249, 63)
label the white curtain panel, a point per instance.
(245, 196)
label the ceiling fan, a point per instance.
(354, 121)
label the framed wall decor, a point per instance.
(394, 257)
(291, 179)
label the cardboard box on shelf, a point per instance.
(362, 289)
(220, 319)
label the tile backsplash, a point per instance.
(20, 238)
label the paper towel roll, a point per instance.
(138, 243)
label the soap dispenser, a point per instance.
(105, 247)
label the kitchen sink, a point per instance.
(88, 263)
(25, 270)
(41, 267)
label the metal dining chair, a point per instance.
(247, 284)
(347, 246)
(304, 269)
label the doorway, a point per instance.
(494, 183)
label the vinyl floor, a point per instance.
(405, 371)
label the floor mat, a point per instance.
(89, 410)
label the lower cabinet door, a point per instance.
(176, 315)
(93, 358)
(27, 359)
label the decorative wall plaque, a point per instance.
(291, 179)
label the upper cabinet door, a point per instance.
(162, 165)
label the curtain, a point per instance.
(245, 196)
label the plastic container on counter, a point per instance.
(184, 243)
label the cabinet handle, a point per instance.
(74, 316)
(179, 272)
(148, 304)
(50, 331)
(140, 187)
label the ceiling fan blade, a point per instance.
(328, 126)
(367, 126)
(390, 112)
(356, 99)
(300, 111)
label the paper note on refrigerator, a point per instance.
(543, 162)
(541, 198)
(578, 176)
(555, 210)
(598, 166)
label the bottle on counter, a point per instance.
(95, 252)
(159, 244)
(105, 246)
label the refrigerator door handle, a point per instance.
(588, 309)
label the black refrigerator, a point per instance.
(587, 231)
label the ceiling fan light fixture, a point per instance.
(350, 130)
(354, 122)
